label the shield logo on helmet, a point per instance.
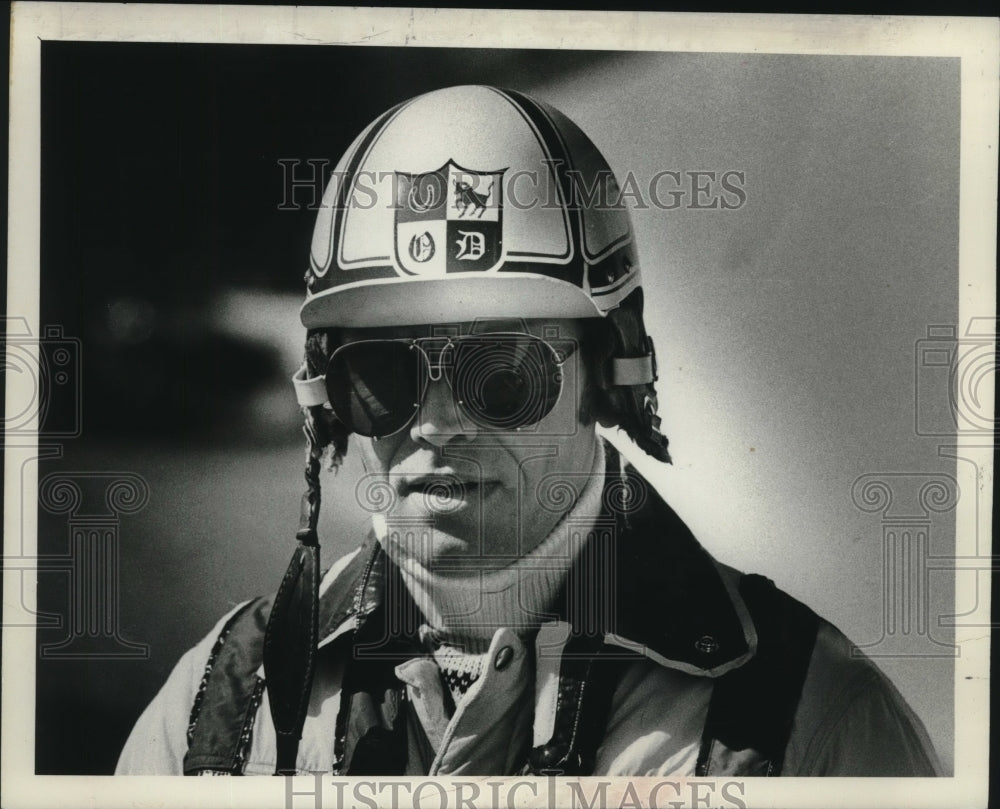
(449, 221)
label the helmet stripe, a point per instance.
(555, 146)
(347, 181)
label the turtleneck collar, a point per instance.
(468, 609)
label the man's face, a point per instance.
(471, 497)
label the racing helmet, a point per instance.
(468, 200)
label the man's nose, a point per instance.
(438, 420)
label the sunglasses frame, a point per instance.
(449, 342)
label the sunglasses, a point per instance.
(500, 380)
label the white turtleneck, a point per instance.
(463, 612)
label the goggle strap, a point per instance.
(309, 392)
(633, 370)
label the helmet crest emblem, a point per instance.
(449, 221)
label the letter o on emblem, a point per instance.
(422, 247)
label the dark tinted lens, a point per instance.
(374, 386)
(506, 382)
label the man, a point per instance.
(525, 601)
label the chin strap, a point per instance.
(292, 628)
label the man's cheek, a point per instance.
(374, 455)
(375, 490)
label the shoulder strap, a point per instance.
(230, 692)
(588, 678)
(751, 710)
(290, 650)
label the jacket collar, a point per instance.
(642, 582)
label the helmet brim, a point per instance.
(446, 299)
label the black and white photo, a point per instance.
(436, 396)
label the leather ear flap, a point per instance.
(290, 652)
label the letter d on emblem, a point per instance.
(471, 245)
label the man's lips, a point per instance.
(445, 485)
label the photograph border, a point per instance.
(973, 40)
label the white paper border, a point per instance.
(974, 41)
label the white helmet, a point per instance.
(469, 202)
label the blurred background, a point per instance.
(786, 328)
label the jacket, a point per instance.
(658, 661)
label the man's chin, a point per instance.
(454, 525)
(445, 552)
(471, 537)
